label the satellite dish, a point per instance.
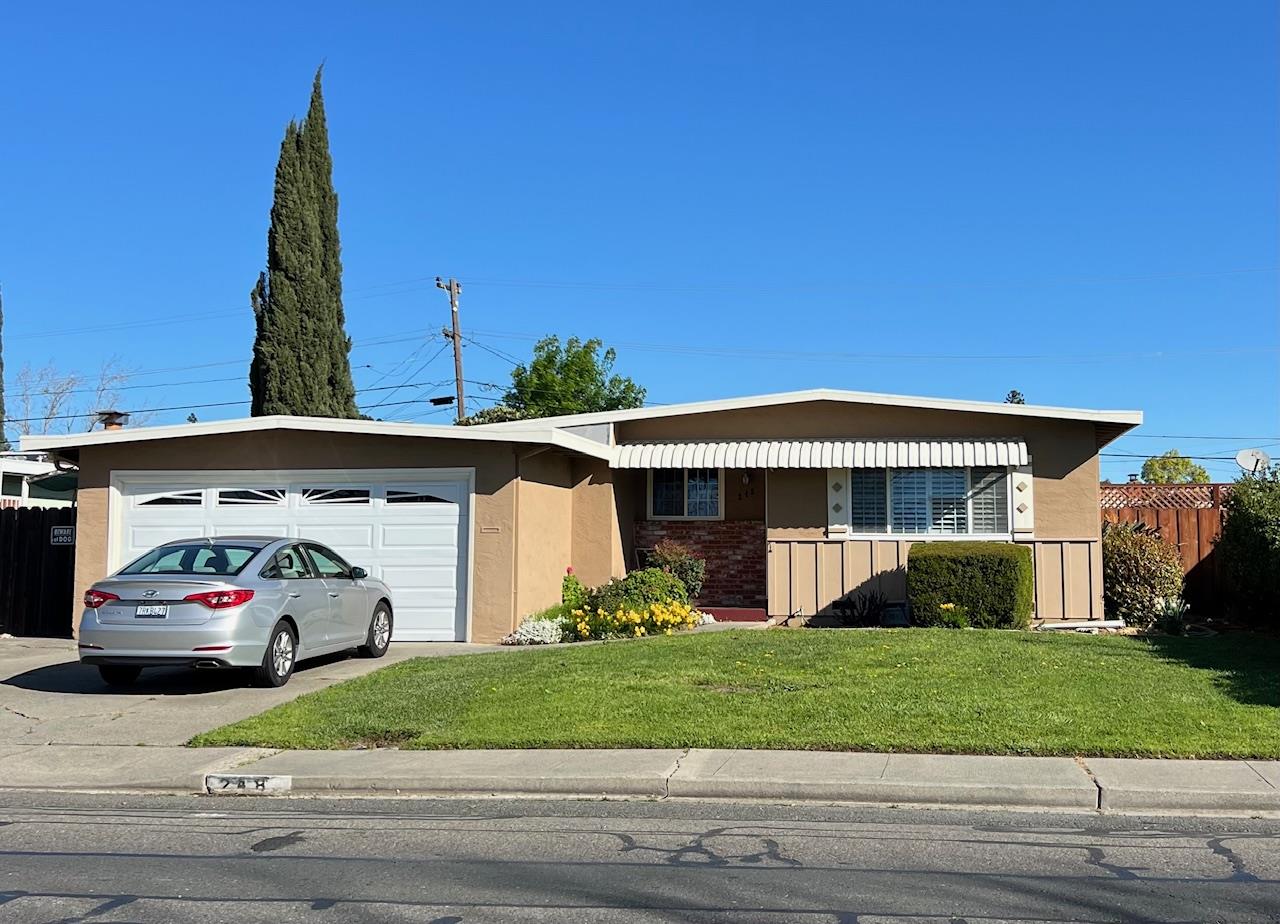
(1252, 460)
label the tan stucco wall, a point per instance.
(544, 544)
(597, 535)
(493, 558)
(1064, 452)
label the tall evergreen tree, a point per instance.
(300, 354)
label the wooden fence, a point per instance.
(37, 575)
(1188, 517)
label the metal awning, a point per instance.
(822, 454)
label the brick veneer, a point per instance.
(734, 550)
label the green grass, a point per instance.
(926, 690)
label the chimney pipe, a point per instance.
(112, 420)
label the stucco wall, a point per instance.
(544, 543)
(597, 536)
(493, 556)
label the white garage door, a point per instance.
(407, 527)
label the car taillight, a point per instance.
(94, 598)
(220, 599)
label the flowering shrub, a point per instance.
(637, 591)
(953, 616)
(539, 629)
(572, 591)
(672, 556)
(654, 619)
(1139, 573)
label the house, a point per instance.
(795, 499)
(29, 479)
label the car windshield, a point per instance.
(194, 558)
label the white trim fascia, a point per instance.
(542, 434)
(1131, 418)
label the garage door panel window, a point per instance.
(336, 496)
(409, 496)
(251, 497)
(173, 499)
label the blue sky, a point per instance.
(1078, 200)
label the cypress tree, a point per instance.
(300, 353)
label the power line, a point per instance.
(415, 372)
(751, 353)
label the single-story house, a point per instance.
(795, 499)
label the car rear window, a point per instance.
(197, 558)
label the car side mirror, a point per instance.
(358, 573)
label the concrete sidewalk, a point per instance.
(1176, 787)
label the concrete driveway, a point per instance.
(48, 697)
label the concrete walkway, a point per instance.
(1173, 787)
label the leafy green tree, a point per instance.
(300, 354)
(1248, 547)
(1173, 468)
(570, 378)
(1014, 397)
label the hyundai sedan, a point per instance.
(255, 602)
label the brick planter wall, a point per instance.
(734, 550)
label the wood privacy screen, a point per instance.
(36, 576)
(1188, 517)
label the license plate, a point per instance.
(152, 611)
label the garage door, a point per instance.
(407, 527)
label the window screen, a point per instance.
(990, 500)
(867, 510)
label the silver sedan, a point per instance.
(233, 601)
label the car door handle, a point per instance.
(294, 594)
(334, 593)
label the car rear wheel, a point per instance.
(118, 675)
(378, 640)
(278, 660)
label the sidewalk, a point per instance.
(1038, 783)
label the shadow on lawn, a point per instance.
(1246, 664)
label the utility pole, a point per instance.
(454, 288)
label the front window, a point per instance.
(223, 559)
(929, 501)
(685, 494)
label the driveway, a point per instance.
(48, 697)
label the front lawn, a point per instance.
(981, 692)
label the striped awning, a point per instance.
(822, 454)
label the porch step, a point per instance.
(736, 613)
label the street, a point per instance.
(102, 858)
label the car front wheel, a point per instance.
(378, 640)
(118, 675)
(278, 660)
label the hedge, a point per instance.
(992, 582)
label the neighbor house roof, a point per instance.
(535, 434)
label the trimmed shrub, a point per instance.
(637, 591)
(1139, 573)
(653, 619)
(573, 592)
(1248, 548)
(991, 584)
(677, 558)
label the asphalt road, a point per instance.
(144, 859)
